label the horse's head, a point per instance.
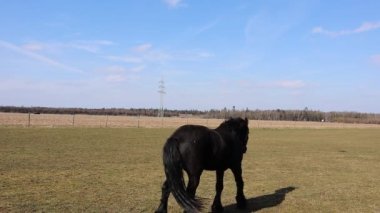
(240, 129)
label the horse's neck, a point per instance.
(223, 131)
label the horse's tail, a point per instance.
(174, 175)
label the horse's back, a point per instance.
(200, 147)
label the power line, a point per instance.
(161, 91)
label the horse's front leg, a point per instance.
(163, 208)
(240, 198)
(217, 204)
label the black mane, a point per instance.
(234, 122)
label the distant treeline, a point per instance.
(282, 115)
(99, 111)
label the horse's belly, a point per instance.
(212, 166)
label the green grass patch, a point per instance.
(120, 170)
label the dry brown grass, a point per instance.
(56, 120)
(120, 170)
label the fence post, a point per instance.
(106, 121)
(138, 122)
(73, 118)
(29, 119)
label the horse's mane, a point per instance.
(232, 123)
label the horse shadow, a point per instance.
(262, 202)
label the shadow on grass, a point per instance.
(262, 202)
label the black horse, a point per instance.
(196, 148)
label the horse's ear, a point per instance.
(246, 120)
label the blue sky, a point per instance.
(324, 55)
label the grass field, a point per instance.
(119, 170)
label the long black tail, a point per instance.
(174, 175)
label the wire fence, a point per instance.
(108, 121)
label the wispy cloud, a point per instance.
(173, 3)
(33, 46)
(160, 56)
(204, 28)
(290, 84)
(192, 55)
(121, 69)
(283, 84)
(142, 47)
(143, 53)
(365, 27)
(126, 59)
(205, 54)
(263, 27)
(38, 57)
(120, 73)
(137, 69)
(92, 46)
(113, 69)
(375, 59)
(147, 53)
(115, 78)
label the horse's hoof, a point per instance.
(241, 205)
(217, 209)
(191, 211)
(161, 211)
(241, 202)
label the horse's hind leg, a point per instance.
(164, 198)
(193, 185)
(240, 198)
(217, 204)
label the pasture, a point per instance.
(120, 170)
